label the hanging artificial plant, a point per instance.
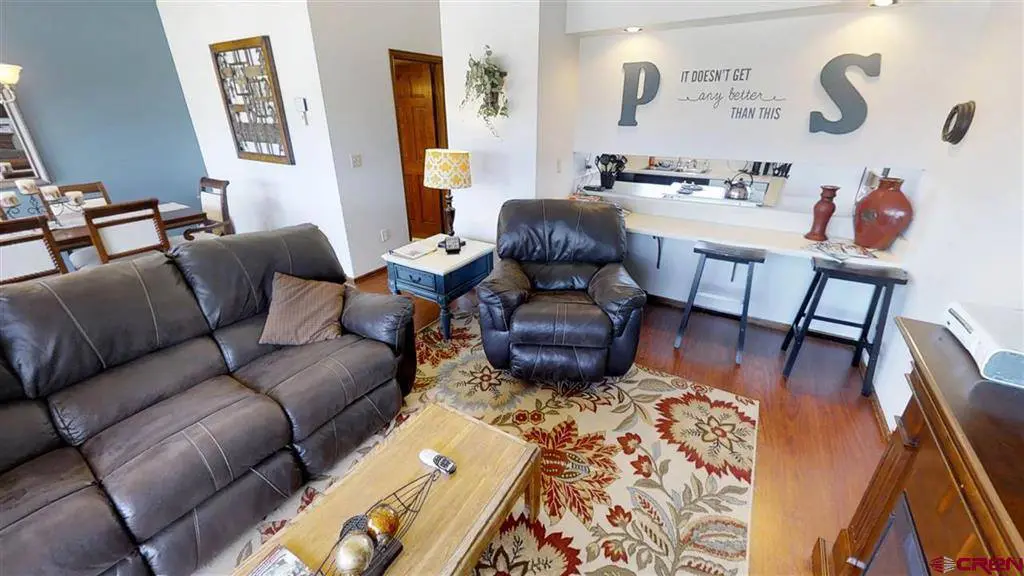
(485, 81)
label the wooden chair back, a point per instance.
(213, 197)
(126, 229)
(94, 193)
(28, 251)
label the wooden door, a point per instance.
(419, 111)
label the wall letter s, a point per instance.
(630, 85)
(853, 109)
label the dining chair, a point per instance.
(93, 193)
(28, 251)
(122, 230)
(65, 203)
(213, 197)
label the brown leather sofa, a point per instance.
(142, 425)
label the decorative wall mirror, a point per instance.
(19, 159)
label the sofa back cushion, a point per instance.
(559, 275)
(232, 276)
(561, 231)
(26, 432)
(10, 386)
(87, 408)
(59, 331)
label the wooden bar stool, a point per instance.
(736, 255)
(884, 279)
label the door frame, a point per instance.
(440, 115)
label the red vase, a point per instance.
(882, 215)
(823, 211)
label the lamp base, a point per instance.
(449, 214)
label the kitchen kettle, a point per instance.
(738, 187)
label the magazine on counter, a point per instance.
(281, 562)
(414, 250)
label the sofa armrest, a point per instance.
(615, 292)
(504, 290)
(388, 319)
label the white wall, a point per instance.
(967, 236)
(262, 195)
(503, 167)
(597, 15)
(352, 41)
(906, 104)
(559, 76)
(965, 242)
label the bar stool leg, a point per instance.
(743, 317)
(689, 302)
(802, 332)
(801, 311)
(876, 344)
(867, 325)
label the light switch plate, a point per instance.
(357, 160)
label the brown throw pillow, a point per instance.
(303, 311)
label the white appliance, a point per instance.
(993, 336)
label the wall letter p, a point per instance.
(631, 94)
(853, 109)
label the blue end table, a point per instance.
(441, 277)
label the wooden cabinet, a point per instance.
(955, 459)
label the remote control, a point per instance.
(435, 460)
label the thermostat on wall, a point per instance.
(303, 109)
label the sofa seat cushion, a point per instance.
(240, 342)
(25, 432)
(41, 482)
(166, 459)
(96, 403)
(561, 324)
(55, 520)
(315, 382)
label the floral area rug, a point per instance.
(644, 474)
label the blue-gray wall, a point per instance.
(101, 98)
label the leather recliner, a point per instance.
(559, 304)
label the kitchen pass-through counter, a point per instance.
(774, 241)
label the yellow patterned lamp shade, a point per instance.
(446, 169)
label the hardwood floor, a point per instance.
(818, 441)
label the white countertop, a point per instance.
(776, 241)
(440, 262)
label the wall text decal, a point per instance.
(726, 89)
(853, 109)
(727, 85)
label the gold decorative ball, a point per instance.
(354, 553)
(382, 522)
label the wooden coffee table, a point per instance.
(462, 513)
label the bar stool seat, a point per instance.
(736, 255)
(884, 279)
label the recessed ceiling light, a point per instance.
(882, 3)
(635, 29)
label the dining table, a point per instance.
(173, 215)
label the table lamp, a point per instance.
(447, 170)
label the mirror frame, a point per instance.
(21, 132)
